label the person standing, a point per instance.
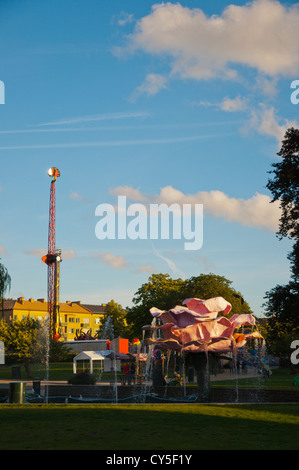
(126, 372)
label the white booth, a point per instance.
(106, 363)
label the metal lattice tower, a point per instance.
(51, 251)
(52, 259)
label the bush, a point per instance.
(83, 378)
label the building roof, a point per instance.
(41, 305)
(65, 307)
(96, 309)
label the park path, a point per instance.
(223, 375)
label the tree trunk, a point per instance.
(201, 365)
(27, 368)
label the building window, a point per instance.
(72, 319)
(86, 320)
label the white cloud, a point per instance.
(171, 265)
(256, 211)
(98, 117)
(114, 143)
(124, 18)
(115, 262)
(39, 252)
(263, 34)
(147, 268)
(231, 105)
(151, 85)
(266, 122)
(3, 250)
(76, 196)
(68, 254)
(130, 193)
(268, 86)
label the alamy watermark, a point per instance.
(152, 221)
(295, 94)
(2, 92)
(295, 354)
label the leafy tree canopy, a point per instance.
(285, 184)
(115, 324)
(163, 292)
(5, 280)
(282, 300)
(20, 336)
(5, 284)
(28, 340)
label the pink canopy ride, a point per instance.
(198, 326)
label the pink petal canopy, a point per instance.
(197, 327)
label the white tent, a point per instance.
(91, 356)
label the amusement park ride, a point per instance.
(53, 259)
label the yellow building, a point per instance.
(75, 318)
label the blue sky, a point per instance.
(154, 101)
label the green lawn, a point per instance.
(149, 427)
(56, 371)
(279, 379)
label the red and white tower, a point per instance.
(53, 259)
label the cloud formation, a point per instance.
(171, 265)
(114, 261)
(39, 252)
(230, 105)
(130, 193)
(265, 121)
(253, 212)
(203, 47)
(151, 85)
(256, 211)
(68, 254)
(97, 117)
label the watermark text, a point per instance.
(295, 354)
(154, 221)
(2, 92)
(295, 93)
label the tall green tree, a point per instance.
(282, 302)
(284, 186)
(163, 292)
(5, 284)
(116, 317)
(20, 338)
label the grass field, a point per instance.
(149, 427)
(152, 427)
(280, 378)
